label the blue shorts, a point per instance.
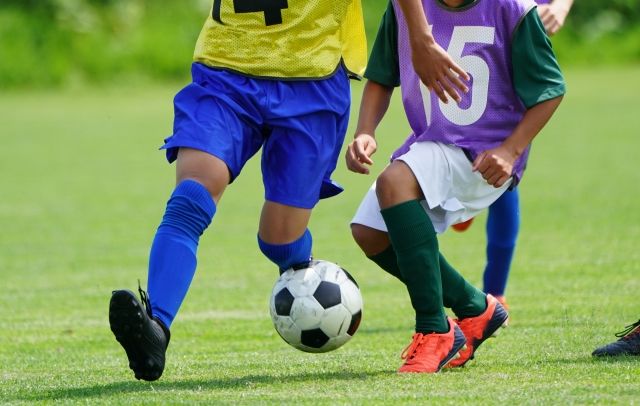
(300, 125)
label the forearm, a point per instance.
(374, 105)
(419, 30)
(533, 121)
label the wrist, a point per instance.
(422, 37)
(514, 149)
(364, 133)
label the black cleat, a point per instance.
(628, 344)
(144, 338)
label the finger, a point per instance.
(494, 179)
(478, 161)
(489, 174)
(363, 156)
(541, 9)
(547, 20)
(361, 150)
(554, 28)
(355, 166)
(461, 72)
(440, 92)
(502, 181)
(350, 154)
(369, 151)
(451, 91)
(352, 160)
(455, 79)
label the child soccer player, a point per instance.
(256, 85)
(503, 220)
(270, 76)
(459, 159)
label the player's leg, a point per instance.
(479, 316)
(370, 233)
(307, 122)
(144, 332)
(437, 339)
(283, 236)
(452, 191)
(211, 145)
(201, 179)
(415, 243)
(465, 299)
(503, 223)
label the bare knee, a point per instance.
(203, 168)
(370, 240)
(397, 184)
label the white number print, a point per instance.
(475, 66)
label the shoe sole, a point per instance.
(126, 319)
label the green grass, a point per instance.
(82, 188)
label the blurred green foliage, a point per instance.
(55, 42)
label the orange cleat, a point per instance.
(479, 328)
(463, 226)
(503, 301)
(430, 352)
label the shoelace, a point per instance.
(420, 340)
(628, 331)
(145, 299)
(411, 348)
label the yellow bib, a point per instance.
(284, 38)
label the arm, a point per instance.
(496, 165)
(554, 14)
(433, 65)
(539, 84)
(374, 105)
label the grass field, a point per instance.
(82, 188)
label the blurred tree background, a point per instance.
(58, 42)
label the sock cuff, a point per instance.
(290, 254)
(387, 256)
(408, 224)
(197, 193)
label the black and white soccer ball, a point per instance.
(317, 308)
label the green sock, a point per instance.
(459, 295)
(388, 261)
(416, 245)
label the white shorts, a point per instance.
(453, 193)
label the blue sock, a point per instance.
(172, 262)
(287, 255)
(503, 223)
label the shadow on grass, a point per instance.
(132, 386)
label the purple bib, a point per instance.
(478, 37)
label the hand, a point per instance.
(437, 70)
(553, 16)
(359, 153)
(495, 165)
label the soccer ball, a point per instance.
(317, 308)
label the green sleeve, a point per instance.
(383, 66)
(536, 73)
